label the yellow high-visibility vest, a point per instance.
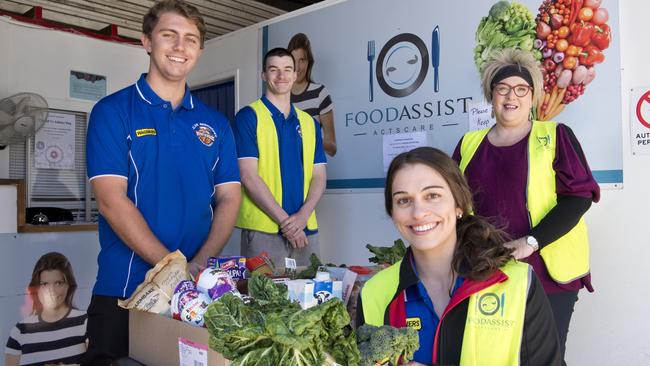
(495, 320)
(268, 167)
(495, 315)
(567, 258)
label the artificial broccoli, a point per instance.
(499, 9)
(386, 343)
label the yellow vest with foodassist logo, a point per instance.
(268, 167)
(495, 315)
(567, 258)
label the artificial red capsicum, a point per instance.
(575, 8)
(581, 34)
(591, 55)
(601, 36)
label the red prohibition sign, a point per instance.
(644, 98)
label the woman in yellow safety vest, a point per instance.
(532, 178)
(457, 284)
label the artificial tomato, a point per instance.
(581, 34)
(563, 31)
(572, 50)
(591, 55)
(570, 63)
(561, 45)
(602, 36)
(585, 14)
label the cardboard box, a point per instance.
(154, 341)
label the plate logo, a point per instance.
(205, 133)
(402, 65)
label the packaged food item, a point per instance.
(260, 263)
(155, 292)
(234, 265)
(182, 286)
(322, 287)
(191, 306)
(215, 282)
(303, 292)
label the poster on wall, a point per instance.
(640, 121)
(54, 143)
(395, 70)
(84, 85)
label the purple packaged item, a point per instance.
(234, 265)
(215, 282)
(191, 305)
(185, 285)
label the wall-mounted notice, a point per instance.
(480, 116)
(54, 143)
(397, 144)
(640, 121)
(87, 86)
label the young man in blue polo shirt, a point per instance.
(282, 164)
(163, 168)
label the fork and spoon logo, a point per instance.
(402, 64)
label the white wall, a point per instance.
(610, 326)
(39, 60)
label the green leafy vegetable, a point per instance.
(508, 25)
(388, 255)
(271, 330)
(377, 344)
(310, 272)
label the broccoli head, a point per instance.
(386, 343)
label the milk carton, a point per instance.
(322, 287)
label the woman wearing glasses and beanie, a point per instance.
(531, 177)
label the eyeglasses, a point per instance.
(520, 90)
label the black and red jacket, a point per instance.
(539, 346)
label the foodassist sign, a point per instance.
(400, 68)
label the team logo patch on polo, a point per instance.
(414, 323)
(205, 133)
(145, 132)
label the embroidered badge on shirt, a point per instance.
(145, 132)
(205, 133)
(414, 323)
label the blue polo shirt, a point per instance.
(172, 161)
(290, 149)
(421, 315)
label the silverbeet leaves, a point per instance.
(271, 330)
(389, 255)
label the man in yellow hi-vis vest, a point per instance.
(282, 164)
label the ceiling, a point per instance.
(123, 18)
